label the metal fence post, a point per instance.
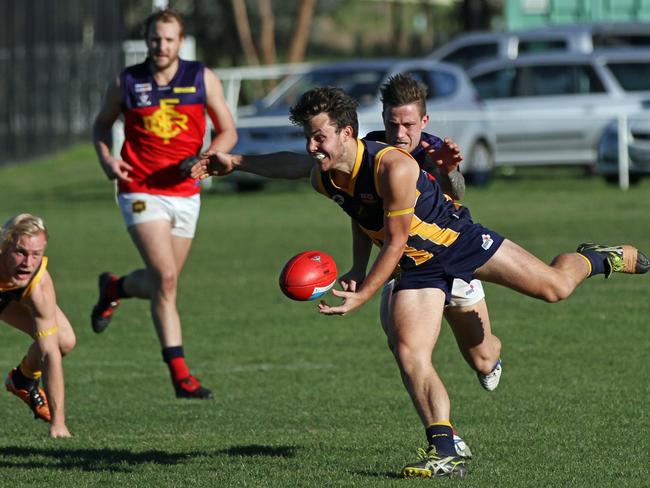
(623, 154)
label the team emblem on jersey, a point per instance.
(367, 197)
(487, 241)
(143, 100)
(166, 122)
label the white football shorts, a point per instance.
(463, 294)
(181, 212)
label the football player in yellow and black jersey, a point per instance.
(426, 241)
(28, 303)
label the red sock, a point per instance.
(178, 368)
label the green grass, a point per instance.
(306, 400)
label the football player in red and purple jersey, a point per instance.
(164, 101)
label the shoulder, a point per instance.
(41, 296)
(398, 161)
(376, 135)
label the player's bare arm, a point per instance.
(115, 168)
(226, 132)
(444, 165)
(361, 248)
(42, 304)
(283, 165)
(398, 174)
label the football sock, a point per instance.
(23, 377)
(441, 436)
(175, 359)
(119, 288)
(596, 260)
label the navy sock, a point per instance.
(120, 288)
(441, 436)
(21, 381)
(597, 261)
(170, 353)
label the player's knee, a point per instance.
(555, 293)
(67, 342)
(410, 359)
(166, 280)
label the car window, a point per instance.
(542, 46)
(552, 80)
(439, 83)
(362, 85)
(631, 76)
(621, 40)
(469, 55)
(495, 84)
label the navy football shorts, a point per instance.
(473, 248)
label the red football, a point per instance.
(308, 275)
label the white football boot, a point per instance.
(490, 381)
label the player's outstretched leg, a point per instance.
(490, 381)
(430, 464)
(32, 395)
(108, 301)
(618, 259)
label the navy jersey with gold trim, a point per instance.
(18, 293)
(436, 223)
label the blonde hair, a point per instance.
(21, 224)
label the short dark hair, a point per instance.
(403, 89)
(164, 15)
(341, 108)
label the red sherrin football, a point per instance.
(308, 275)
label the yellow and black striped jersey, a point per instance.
(437, 221)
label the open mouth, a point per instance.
(319, 156)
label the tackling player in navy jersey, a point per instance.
(426, 241)
(405, 117)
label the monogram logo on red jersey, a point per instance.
(166, 122)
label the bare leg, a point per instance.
(164, 256)
(412, 332)
(471, 326)
(516, 268)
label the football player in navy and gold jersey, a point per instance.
(28, 303)
(426, 241)
(164, 101)
(405, 117)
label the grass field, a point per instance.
(305, 400)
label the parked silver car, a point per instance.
(453, 106)
(551, 109)
(638, 149)
(472, 48)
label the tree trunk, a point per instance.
(244, 31)
(301, 34)
(267, 36)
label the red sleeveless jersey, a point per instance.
(162, 125)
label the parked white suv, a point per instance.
(552, 108)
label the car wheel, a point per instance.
(613, 179)
(479, 167)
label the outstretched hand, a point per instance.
(211, 164)
(446, 158)
(351, 301)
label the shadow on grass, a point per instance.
(385, 475)
(120, 460)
